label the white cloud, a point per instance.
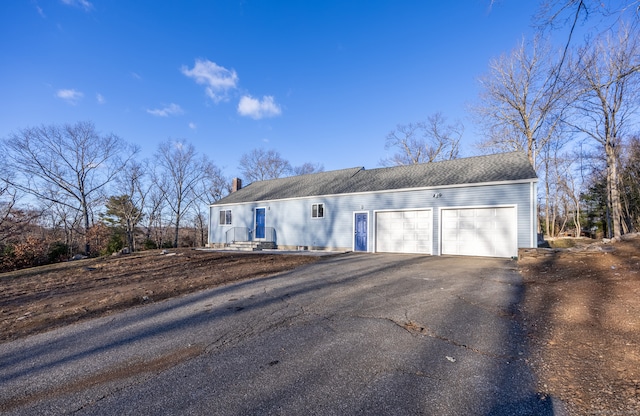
(216, 79)
(135, 75)
(86, 5)
(100, 99)
(170, 110)
(71, 96)
(192, 126)
(256, 109)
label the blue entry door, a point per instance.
(360, 239)
(260, 214)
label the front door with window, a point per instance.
(361, 228)
(260, 220)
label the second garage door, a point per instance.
(404, 231)
(479, 232)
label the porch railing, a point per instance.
(237, 234)
(269, 235)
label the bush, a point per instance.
(115, 243)
(58, 251)
(149, 245)
(30, 253)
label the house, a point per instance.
(477, 206)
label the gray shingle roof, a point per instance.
(480, 169)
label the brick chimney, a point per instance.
(236, 184)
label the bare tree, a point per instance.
(8, 199)
(14, 220)
(153, 211)
(214, 185)
(559, 13)
(609, 78)
(68, 165)
(427, 141)
(569, 185)
(61, 217)
(260, 165)
(521, 102)
(128, 206)
(307, 168)
(630, 186)
(181, 171)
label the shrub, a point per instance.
(149, 245)
(58, 251)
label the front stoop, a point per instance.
(252, 245)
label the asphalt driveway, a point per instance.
(351, 334)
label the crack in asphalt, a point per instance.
(418, 329)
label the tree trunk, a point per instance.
(130, 236)
(85, 215)
(547, 210)
(614, 193)
(177, 231)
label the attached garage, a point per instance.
(477, 206)
(488, 231)
(404, 231)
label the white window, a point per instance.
(225, 217)
(317, 211)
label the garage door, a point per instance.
(479, 232)
(404, 231)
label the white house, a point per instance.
(477, 206)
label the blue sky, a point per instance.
(318, 81)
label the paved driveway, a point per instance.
(352, 334)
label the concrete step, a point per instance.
(251, 245)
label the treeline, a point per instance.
(68, 189)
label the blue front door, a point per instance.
(360, 242)
(260, 222)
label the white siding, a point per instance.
(294, 226)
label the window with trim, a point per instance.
(317, 211)
(225, 217)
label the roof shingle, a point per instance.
(499, 167)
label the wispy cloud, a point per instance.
(257, 109)
(170, 110)
(216, 79)
(83, 4)
(100, 99)
(134, 75)
(70, 96)
(193, 126)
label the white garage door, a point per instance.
(479, 232)
(404, 231)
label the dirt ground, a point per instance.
(42, 298)
(581, 308)
(582, 313)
